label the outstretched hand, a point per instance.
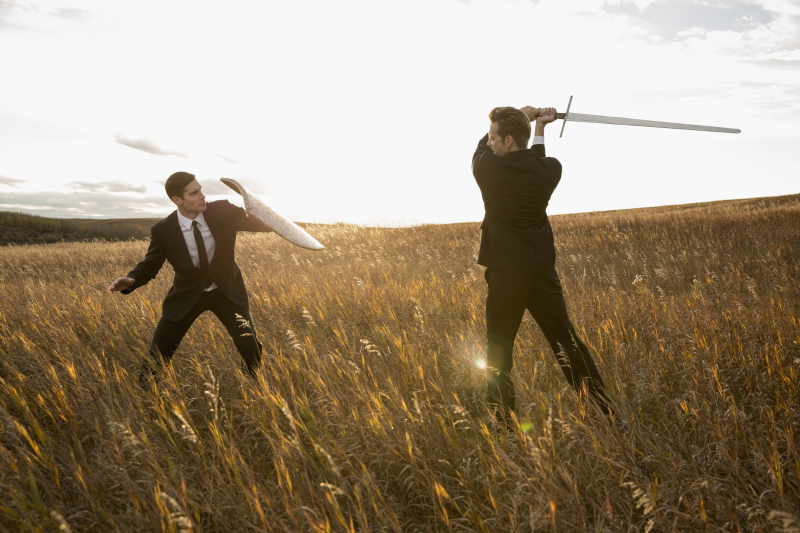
(120, 284)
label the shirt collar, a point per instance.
(187, 222)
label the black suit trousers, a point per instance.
(235, 318)
(510, 293)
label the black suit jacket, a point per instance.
(167, 243)
(516, 189)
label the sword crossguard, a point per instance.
(564, 116)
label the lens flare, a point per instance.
(481, 363)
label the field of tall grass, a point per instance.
(369, 415)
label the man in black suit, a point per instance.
(198, 240)
(519, 254)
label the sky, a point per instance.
(370, 111)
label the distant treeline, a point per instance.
(22, 228)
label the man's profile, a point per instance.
(518, 251)
(198, 240)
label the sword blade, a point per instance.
(600, 119)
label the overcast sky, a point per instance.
(369, 111)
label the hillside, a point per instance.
(743, 205)
(369, 415)
(22, 228)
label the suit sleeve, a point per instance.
(149, 266)
(482, 153)
(539, 150)
(482, 149)
(244, 223)
(554, 166)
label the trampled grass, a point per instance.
(368, 414)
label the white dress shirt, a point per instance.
(538, 139)
(208, 240)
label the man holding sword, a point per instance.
(518, 252)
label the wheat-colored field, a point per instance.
(369, 412)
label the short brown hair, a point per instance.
(512, 121)
(177, 183)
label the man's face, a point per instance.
(499, 146)
(193, 200)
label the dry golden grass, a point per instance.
(369, 413)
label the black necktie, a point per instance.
(201, 247)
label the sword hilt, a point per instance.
(564, 116)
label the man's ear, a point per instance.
(176, 200)
(509, 141)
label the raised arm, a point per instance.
(483, 147)
(546, 116)
(481, 151)
(539, 117)
(244, 222)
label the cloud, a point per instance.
(145, 145)
(8, 10)
(216, 187)
(213, 187)
(106, 186)
(672, 17)
(86, 204)
(101, 199)
(72, 13)
(16, 124)
(6, 7)
(228, 159)
(34, 15)
(622, 8)
(759, 32)
(777, 60)
(11, 182)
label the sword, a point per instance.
(599, 119)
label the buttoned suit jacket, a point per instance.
(168, 244)
(516, 188)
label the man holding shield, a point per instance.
(198, 240)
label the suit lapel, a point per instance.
(175, 234)
(213, 221)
